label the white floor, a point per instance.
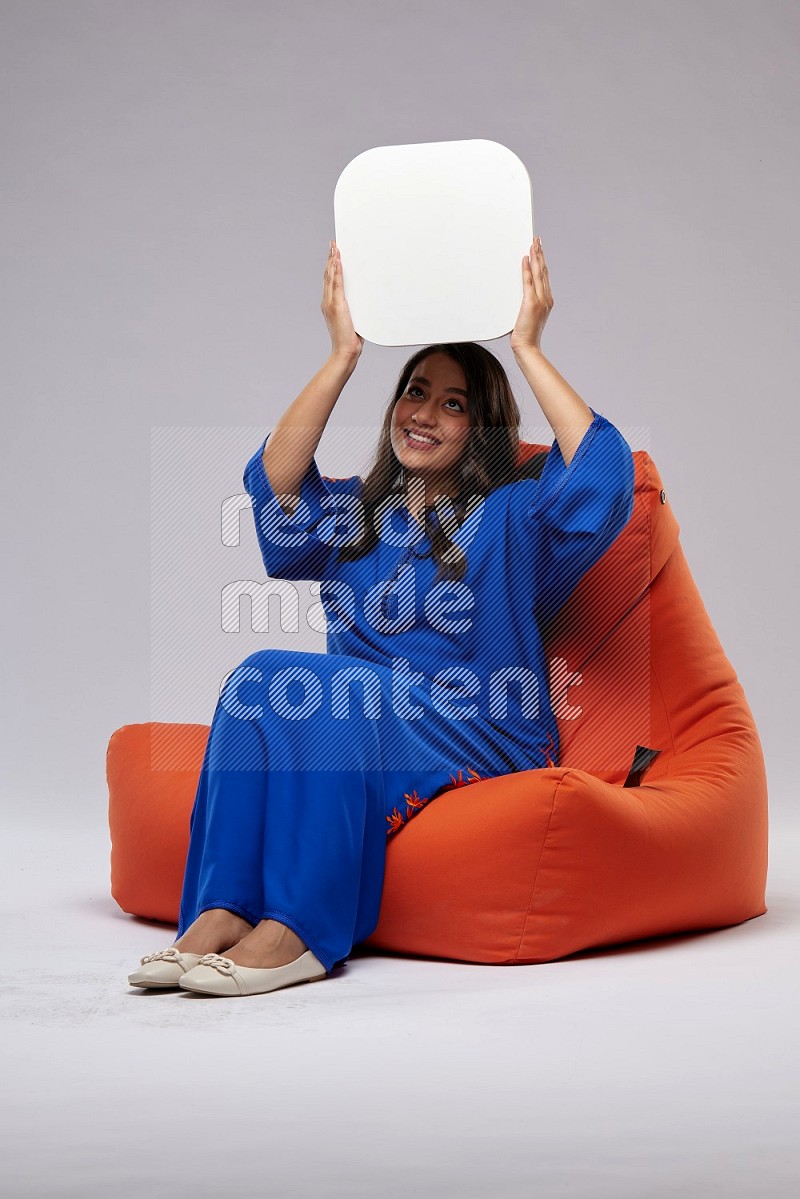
(664, 1068)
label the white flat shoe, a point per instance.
(164, 968)
(218, 975)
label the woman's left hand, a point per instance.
(537, 300)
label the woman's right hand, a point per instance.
(344, 339)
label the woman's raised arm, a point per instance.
(293, 442)
(567, 414)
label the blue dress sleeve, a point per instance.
(577, 511)
(301, 546)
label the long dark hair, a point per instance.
(489, 458)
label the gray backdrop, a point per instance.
(168, 200)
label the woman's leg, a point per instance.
(299, 790)
(287, 795)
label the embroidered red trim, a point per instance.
(462, 782)
(415, 802)
(550, 745)
(395, 822)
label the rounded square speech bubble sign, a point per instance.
(432, 236)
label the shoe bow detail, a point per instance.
(223, 964)
(162, 955)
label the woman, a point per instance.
(437, 572)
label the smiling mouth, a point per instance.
(421, 439)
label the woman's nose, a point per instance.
(424, 415)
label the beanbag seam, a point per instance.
(538, 865)
(667, 717)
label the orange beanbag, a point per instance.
(654, 821)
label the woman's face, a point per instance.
(434, 405)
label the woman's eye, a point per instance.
(411, 390)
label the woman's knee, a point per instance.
(265, 662)
(290, 682)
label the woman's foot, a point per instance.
(267, 945)
(214, 931)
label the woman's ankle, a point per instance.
(217, 927)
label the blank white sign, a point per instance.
(432, 237)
